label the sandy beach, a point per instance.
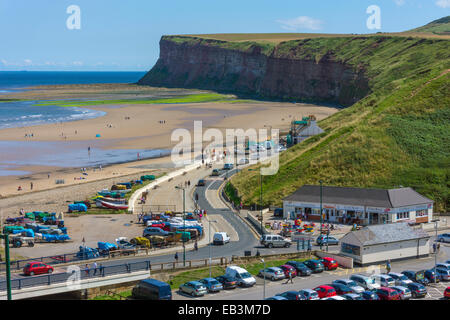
(133, 126)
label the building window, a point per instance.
(402, 215)
(422, 213)
(351, 249)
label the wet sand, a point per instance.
(135, 126)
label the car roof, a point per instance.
(195, 282)
(325, 286)
(309, 290)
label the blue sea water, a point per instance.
(11, 81)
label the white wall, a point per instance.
(393, 251)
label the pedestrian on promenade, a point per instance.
(86, 269)
(289, 278)
(176, 257)
(388, 266)
(94, 266)
(195, 246)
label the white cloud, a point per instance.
(77, 63)
(301, 22)
(443, 3)
(27, 61)
(400, 2)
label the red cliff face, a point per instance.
(253, 73)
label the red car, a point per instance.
(385, 293)
(286, 269)
(33, 268)
(325, 291)
(329, 263)
(447, 293)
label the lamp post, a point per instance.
(184, 222)
(264, 274)
(436, 253)
(321, 213)
(209, 223)
(8, 266)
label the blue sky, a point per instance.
(121, 35)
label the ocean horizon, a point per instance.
(12, 81)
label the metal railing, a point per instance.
(99, 272)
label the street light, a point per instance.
(264, 274)
(8, 266)
(184, 222)
(436, 253)
(209, 222)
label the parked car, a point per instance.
(292, 295)
(400, 279)
(273, 240)
(227, 281)
(244, 278)
(276, 298)
(352, 296)
(310, 294)
(341, 288)
(152, 289)
(405, 293)
(386, 293)
(288, 269)
(351, 284)
(201, 183)
(221, 238)
(301, 268)
(447, 293)
(443, 274)
(334, 298)
(325, 291)
(228, 166)
(315, 265)
(431, 275)
(272, 273)
(278, 212)
(35, 268)
(445, 237)
(154, 231)
(211, 284)
(326, 239)
(416, 276)
(194, 288)
(384, 280)
(369, 295)
(443, 266)
(366, 282)
(329, 263)
(417, 290)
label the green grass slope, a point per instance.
(397, 135)
(440, 26)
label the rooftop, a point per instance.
(391, 198)
(386, 233)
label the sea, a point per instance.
(16, 154)
(24, 113)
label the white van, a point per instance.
(243, 277)
(221, 238)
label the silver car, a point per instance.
(400, 279)
(384, 280)
(351, 284)
(194, 288)
(310, 294)
(445, 266)
(445, 237)
(443, 274)
(272, 273)
(405, 293)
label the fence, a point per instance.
(99, 272)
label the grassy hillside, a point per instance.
(440, 26)
(398, 135)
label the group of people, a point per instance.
(277, 225)
(19, 188)
(95, 268)
(29, 135)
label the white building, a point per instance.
(377, 244)
(358, 205)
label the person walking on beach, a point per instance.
(21, 212)
(31, 185)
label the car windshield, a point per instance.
(245, 275)
(403, 277)
(371, 280)
(351, 284)
(213, 282)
